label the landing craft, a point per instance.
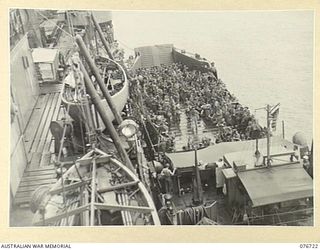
(98, 154)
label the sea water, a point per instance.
(264, 57)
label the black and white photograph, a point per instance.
(158, 118)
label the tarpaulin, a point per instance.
(277, 184)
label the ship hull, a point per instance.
(191, 62)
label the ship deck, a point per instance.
(184, 130)
(39, 144)
(224, 216)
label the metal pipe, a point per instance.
(96, 73)
(20, 20)
(93, 192)
(127, 204)
(96, 100)
(123, 213)
(89, 34)
(102, 38)
(88, 116)
(96, 42)
(71, 30)
(86, 212)
(197, 196)
(105, 43)
(268, 135)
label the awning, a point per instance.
(213, 153)
(277, 184)
(248, 158)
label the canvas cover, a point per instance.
(277, 184)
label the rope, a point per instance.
(37, 197)
(194, 214)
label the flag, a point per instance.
(273, 116)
